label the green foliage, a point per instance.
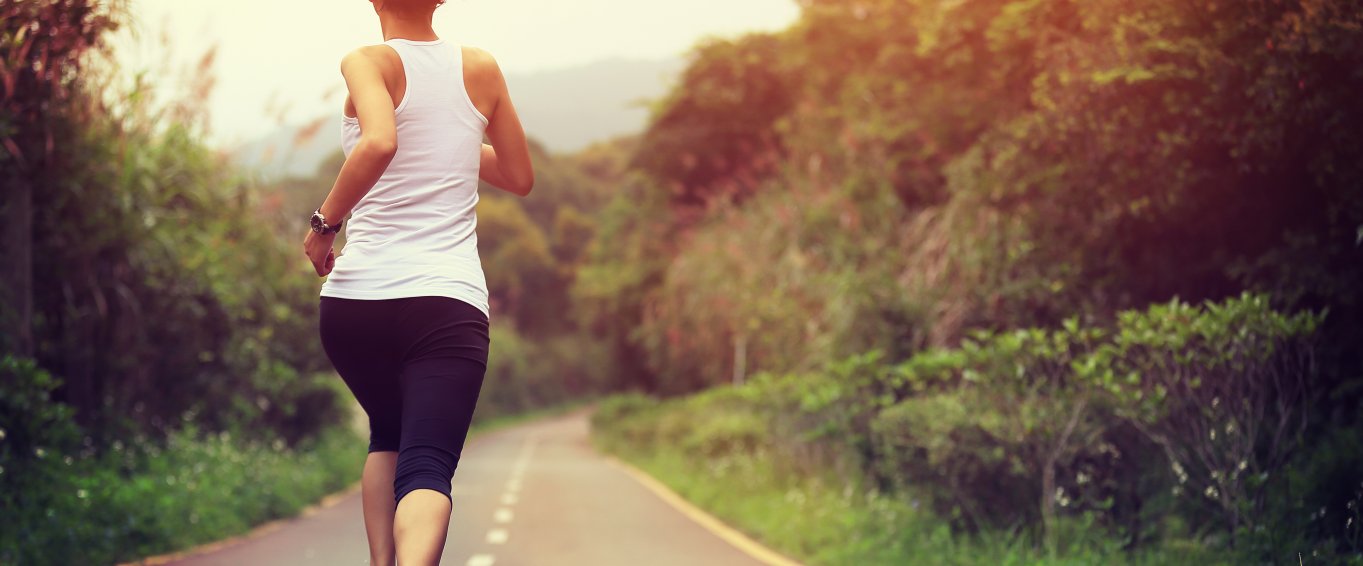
(171, 286)
(1219, 389)
(617, 413)
(994, 164)
(821, 521)
(38, 438)
(1317, 497)
(522, 275)
(68, 503)
(715, 135)
(1047, 433)
(616, 408)
(624, 265)
(525, 374)
(1225, 391)
(44, 45)
(30, 418)
(136, 272)
(953, 172)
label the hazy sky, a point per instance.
(290, 50)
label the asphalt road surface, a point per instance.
(529, 495)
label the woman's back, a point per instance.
(413, 234)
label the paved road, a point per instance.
(530, 495)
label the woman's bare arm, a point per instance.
(505, 163)
(378, 134)
(370, 157)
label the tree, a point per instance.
(42, 45)
(715, 136)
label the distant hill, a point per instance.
(569, 109)
(565, 109)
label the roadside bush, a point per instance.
(1220, 388)
(1010, 420)
(731, 433)
(1314, 505)
(1224, 389)
(1048, 432)
(942, 446)
(67, 503)
(618, 408)
(38, 441)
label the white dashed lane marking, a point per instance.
(498, 536)
(502, 515)
(481, 560)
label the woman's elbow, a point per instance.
(382, 147)
(523, 185)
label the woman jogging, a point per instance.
(404, 310)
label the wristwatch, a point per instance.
(320, 226)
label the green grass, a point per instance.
(821, 522)
(137, 501)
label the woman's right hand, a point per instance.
(320, 252)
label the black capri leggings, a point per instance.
(415, 365)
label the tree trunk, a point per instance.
(16, 265)
(1048, 506)
(740, 358)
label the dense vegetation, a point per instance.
(945, 238)
(995, 281)
(160, 380)
(1066, 444)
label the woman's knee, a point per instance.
(423, 467)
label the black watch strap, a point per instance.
(327, 227)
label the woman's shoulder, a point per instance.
(368, 58)
(377, 53)
(479, 63)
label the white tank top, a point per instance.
(413, 233)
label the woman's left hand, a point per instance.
(320, 252)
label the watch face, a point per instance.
(316, 222)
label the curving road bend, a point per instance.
(534, 494)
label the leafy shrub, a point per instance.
(733, 433)
(1007, 422)
(68, 503)
(1224, 389)
(38, 441)
(620, 407)
(1221, 388)
(945, 444)
(1314, 505)
(1042, 431)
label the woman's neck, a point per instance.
(414, 28)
